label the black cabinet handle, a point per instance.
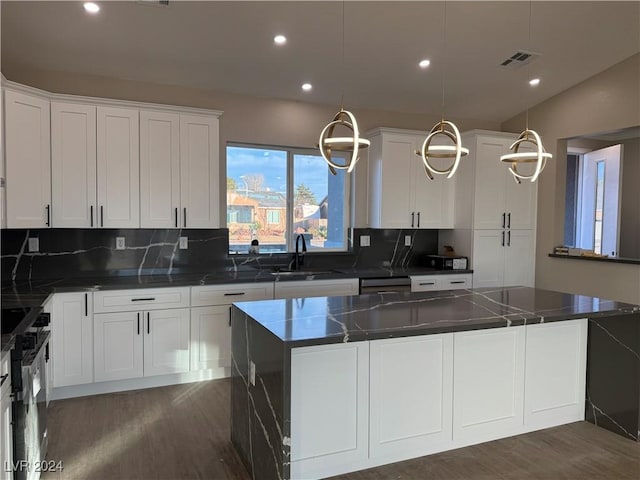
(4, 377)
(503, 238)
(86, 304)
(147, 299)
(185, 217)
(412, 215)
(509, 238)
(503, 220)
(428, 283)
(138, 323)
(229, 316)
(91, 214)
(148, 323)
(418, 219)
(176, 217)
(233, 294)
(456, 282)
(509, 220)
(48, 208)
(101, 215)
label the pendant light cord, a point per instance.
(444, 54)
(528, 66)
(343, 72)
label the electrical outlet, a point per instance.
(407, 240)
(34, 244)
(252, 373)
(184, 243)
(365, 241)
(119, 243)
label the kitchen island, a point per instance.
(323, 386)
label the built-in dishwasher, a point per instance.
(385, 285)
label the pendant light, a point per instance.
(344, 118)
(443, 128)
(539, 155)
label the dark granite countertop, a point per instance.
(324, 320)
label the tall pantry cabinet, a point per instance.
(495, 218)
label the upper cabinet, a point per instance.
(400, 194)
(28, 160)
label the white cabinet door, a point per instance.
(397, 203)
(166, 341)
(488, 384)
(334, 380)
(211, 338)
(28, 160)
(489, 202)
(488, 258)
(520, 203)
(118, 343)
(433, 199)
(556, 363)
(519, 258)
(73, 165)
(72, 339)
(159, 169)
(317, 288)
(411, 395)
(118, 165)
(199, 171)
(6, 437)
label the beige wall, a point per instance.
(607, 101)
(245, 119)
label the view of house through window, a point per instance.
(274, 194)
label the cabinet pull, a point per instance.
(503, 220)
(509, 238)
(147, 299)
(185, 217)
(233, 294)
(101, 215)
(4, 377)
(412, 215)
(229, 317)
(86, 304)
(91, 214)
(509, 220)
(148, 323)
(176, 217)
(427, 283)
(503, 238)
(456, 282)
(418, 219)
(48, 208)
(138, 323)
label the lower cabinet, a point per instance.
(72, 339)
(317, 288)
(329, 409)
(210, 337)
(136, 344)
(429, 283)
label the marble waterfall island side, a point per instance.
(328, 385)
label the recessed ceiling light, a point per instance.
(280, 39)
(91, 7)
(424, 63)
(534, 82)
(307, 87)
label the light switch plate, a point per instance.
(365, 241)
(407, 240)
(184, 243)
(119, 243)
(34, 244)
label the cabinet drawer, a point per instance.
(427, 283)
(227, 294)
(140, 299)
(4, 367)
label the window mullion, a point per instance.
(289, 229)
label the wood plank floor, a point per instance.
(182, 432)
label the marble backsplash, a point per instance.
(93, 253)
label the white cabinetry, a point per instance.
(400, 194)
(28, 160)
(72, 339)
(430, 283)
(411, 396)
(6, 438)
(495, 218)
(317, 288)
(73, 165)
(555, 380)
(118, 166)
(141, 333)
(488, 384)
(333, 379)
(210, 322)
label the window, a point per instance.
(274, 194)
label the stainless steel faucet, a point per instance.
(298, 260)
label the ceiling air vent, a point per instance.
(519, 59)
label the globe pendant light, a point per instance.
(539, 155)
(344, 118)
(443, 128)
